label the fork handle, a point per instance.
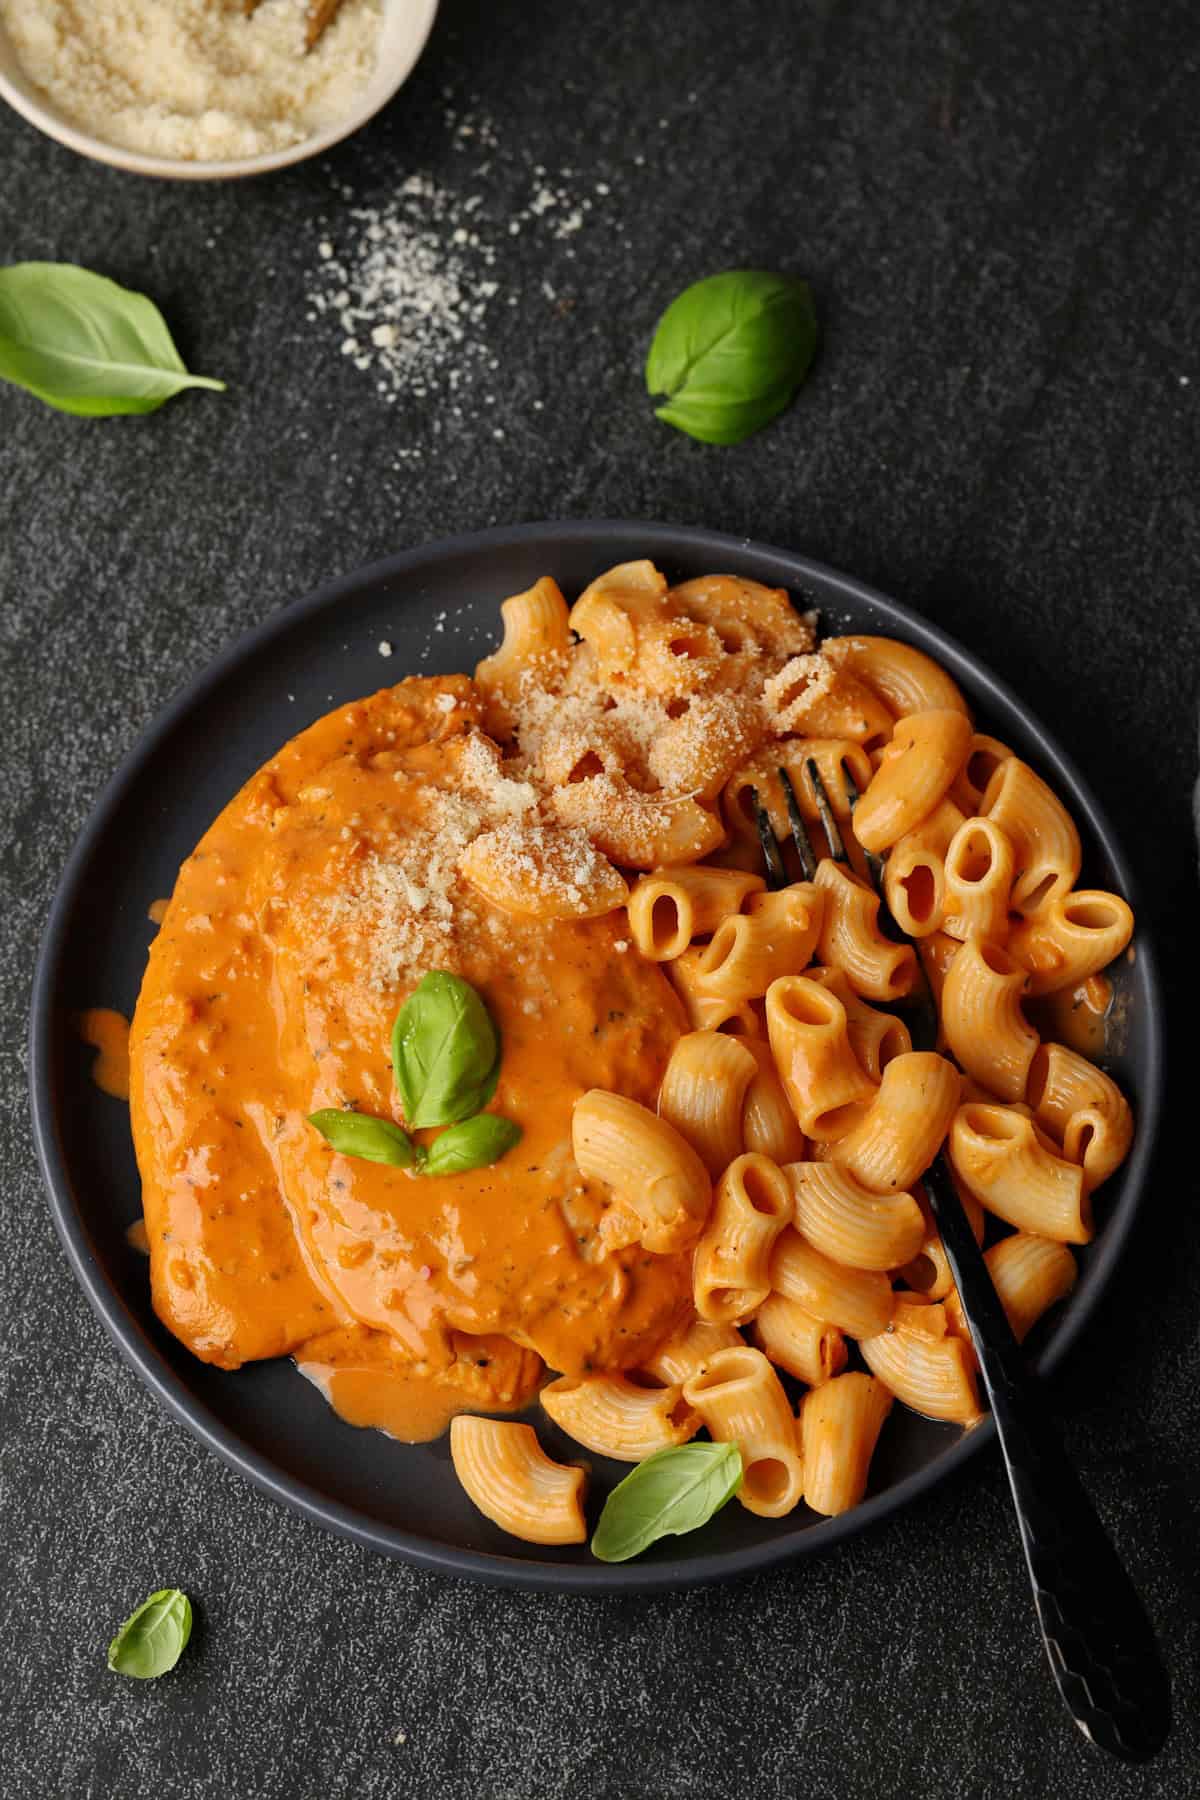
(1099, 1642)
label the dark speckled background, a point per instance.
(996, 204)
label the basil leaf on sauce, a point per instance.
(474, 1144)
(153, 1638)
(730, 352)
(84, 345)
(672, 1492)
(445, 1052)
(358, 1134)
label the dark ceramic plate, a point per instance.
(438, 607)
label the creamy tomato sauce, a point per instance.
(403, 1296)
(109, 1032)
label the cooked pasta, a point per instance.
(775, 935)
(876, 1037)
(914, 876)
(810, 1040)
(731, 1275)
(692, 1050)
(999, 1156)
(850, 938)
(850, 1223)
(840, 1423)
(905, 679)
(902, 1130)
(741, 1400)
(918, 766)
(922, 1363)
(857, 1300)
(612, 1416)
(985, 1028)
(1082, 1108)
(1045, 843)
(513, 1482)
(689, 1352)
(978, 878)
(703, 1094)
(768, 1122)
(1029, 1274)
(1070, 937)
(670, 909)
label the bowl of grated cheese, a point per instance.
(205, 90)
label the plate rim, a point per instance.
(494, 1568)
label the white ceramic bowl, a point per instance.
(406, 25)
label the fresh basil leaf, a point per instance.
(474, 1144)
(153, 1638)
(84, 345)
(359, 1134)
(730, 352)
(445, 1052)
(672, 1492)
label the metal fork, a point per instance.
(1099, 1642)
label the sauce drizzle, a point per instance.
(108, 1031)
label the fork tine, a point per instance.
(874, 862)
(776, 873)
(800, 837)
(837, 849)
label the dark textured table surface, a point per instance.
(996, 205)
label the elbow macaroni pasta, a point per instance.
(918, 767)
(513, 1482)
(703, 1094)
(840, 1423)
(670, 909)
(904, 678)
(875, 1037)
(859, 1301)
(810, 1040)
(1045, 843)
(809, 1348)
(794, 1118)
(612, 1416)
(999, 1156)
(985, 1028)
(648, 1165)
(924, 1364)
(1071, 937)
(849, 1223)
(850, 938)
(731, 1275)
(977, 879)
(914, 876)
(768, 1122)
(741, 1400)
(902, 1130)
(1083, 1109)
(1029, 1274)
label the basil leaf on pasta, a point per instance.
(84, 345)
(672, 1492)
(730, 352)
(153, 1638)
(474, 1144)
(358, 1134)
(445, 1052)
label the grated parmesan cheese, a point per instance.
(193, 79)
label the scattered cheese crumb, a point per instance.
(385, 649)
